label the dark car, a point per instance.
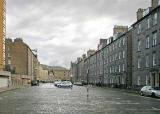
(34, 83)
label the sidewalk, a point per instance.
(4, 89)
(123, 90)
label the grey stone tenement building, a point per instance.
(108, 65)
(146, 47)
(131, 57)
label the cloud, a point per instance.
(63, 30)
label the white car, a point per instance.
(57, 82)
(65, 84)
(150, 91)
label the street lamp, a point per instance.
(71, 78)
(87, 83)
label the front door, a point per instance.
(153, 79)
(159, 80)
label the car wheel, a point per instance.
(141, 93)
(153, 95)
(59, 86)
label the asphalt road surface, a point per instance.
(48, 99)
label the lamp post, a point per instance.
(71, 76)
(87, 83)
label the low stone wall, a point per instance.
(19, 80)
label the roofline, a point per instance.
(146, 15)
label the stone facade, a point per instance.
(111, 65)
(43, 74)
(61, 75)
(146, 49)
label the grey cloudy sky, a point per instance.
(62, 30)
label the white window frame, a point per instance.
(139, 45)
(119, 67)
(139, 63)
(154, 59)
(154, 40)
(155, 17)
(123, 54)
(124, 41)
(148, 23)
(119, 43)
(139, 29)
(147, 42)
(147, 60)
(119, 55)
(123, 68)
(9, 61)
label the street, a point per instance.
(48, 99)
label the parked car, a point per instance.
(57, 82)
(150, 91)
(35, 83)
(78, 83)
(65, 84)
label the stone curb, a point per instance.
(10, 89)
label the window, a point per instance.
(155, 19)
(110, 70)
(113, 46)
(9, 55)
(123, 54)
(147, 79)
(119, 68)
(122, 80)
(123, 41)
(113, 69)
(154, 59)
(147, 42)
(119, 55)
(123, 68)
(147, 60)
(139, 62)
(139, 28)
(139, 45)
(119, 43)
(8, 48)
(113, 57)
(148, 24)
(116, 45)
(138, 81)
(154, 42)
(9, 61)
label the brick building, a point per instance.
(2, 32)
(19, 56)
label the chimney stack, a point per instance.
(84, 56)
(155, 3)
(139, 13)
(119, 29)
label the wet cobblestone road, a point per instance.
(48, 99)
